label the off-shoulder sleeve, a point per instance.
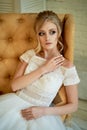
(71, 77)
(27, 55)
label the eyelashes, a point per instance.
(41, 33)
(52, 32)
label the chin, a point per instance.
(49, 47)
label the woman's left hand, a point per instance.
(33, 112)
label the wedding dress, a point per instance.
(40, 93)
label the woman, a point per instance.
(37, 80)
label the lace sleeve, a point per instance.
(27, 55)
(71, 77)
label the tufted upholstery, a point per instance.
(17, 36)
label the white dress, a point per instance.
(40, 93)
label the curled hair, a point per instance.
(52, 17)
(60, 46)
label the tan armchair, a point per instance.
(17, 36)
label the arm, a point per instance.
(72, 97)
(21, 81)
(72, 102)
(71, 106)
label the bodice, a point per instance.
(43, 90)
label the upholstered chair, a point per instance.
(17, 35)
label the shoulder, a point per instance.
(70, 73)
(31, 51)
(67, 64)
(27, 55)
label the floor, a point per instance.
(80, 117)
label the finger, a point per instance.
(59, 58)
(59, 64)
(59, 61)
(28, 117)
(26, 110)
(25, 114)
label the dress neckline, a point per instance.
(60, 66)
(46, 60)
(40, 57)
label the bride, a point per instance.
(37, 80)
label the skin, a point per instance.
(48, 37)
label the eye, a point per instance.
(41, 33)
(52, 32)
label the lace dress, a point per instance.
(40, 93)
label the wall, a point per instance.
(32, 5)
(22, 6)
(6, 6)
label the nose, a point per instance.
(47, 37)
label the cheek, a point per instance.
(55, 38)
(41, 40)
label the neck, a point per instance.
(50, 53)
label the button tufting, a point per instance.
(29, 39)
(1, 58)
(10, 77)
(20, 20)
(10, 39)
(1, 20)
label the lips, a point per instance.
(48, 43)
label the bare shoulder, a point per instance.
(67, 64)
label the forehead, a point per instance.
(48, 25)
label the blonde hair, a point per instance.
(48, 16)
